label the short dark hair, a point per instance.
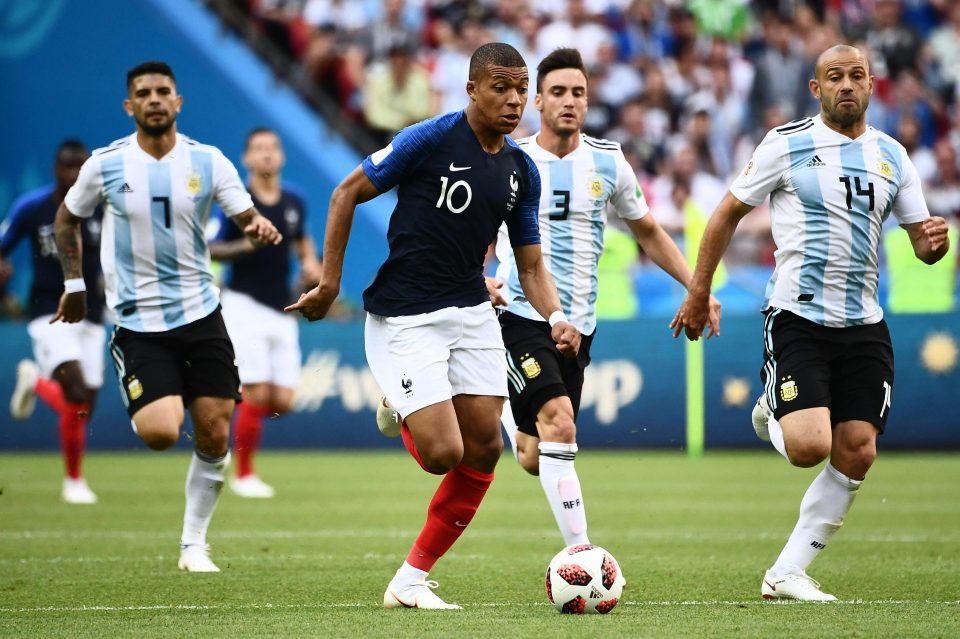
(68, 145)
(494, 53)
(562, 58)
(150, 66)
(257, 131)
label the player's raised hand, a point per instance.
(935, 230)
(72, 308)
(315, 303)
(567, 338)
(261, 231)
(692, 317)
(493, 289)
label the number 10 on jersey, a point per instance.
(446, 196)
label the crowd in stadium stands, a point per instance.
(687, 87)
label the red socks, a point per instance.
(451, 510)
(72, 424)
(247, 430)
(407, 438)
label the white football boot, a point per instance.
(388, 420)
(416, 595)
(196, 558)
(761, 418)
(76, 491)
(24, 398)
(795, 585)
(251, 487)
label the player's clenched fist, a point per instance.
(315, 304)
(261, 231)
(567, 338)
(72, 308)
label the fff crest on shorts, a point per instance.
(788, 390)
(531, 367)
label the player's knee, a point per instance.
(555, 423)
(441, 457)
(159, 436)
(807, 454)
(74, 392)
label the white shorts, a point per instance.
(421, 360)
(266, 341)
(54, 344)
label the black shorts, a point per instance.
(805, 365)
(537, 372)
(194, 360)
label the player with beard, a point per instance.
(170, 347)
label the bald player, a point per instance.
(828, 362)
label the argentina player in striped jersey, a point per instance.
(170, 347)
(828, 361)
(582, 179)
(432, 338)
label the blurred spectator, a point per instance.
(280, 21)
(451, 67)
(338, 75)
(943, 191)
(644, 34)
(895, 44)
(395, 93)
(910, 99)
(642, 150)
(908, 134)
(390, 30)
(945, 46)
(704, 190)
(575, 29)
(782, 73)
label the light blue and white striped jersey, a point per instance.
(156, 264)
(576, 193)
(829, 196)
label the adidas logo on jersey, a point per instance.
(815, 162)
(125, 188)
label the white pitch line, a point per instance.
(358, 605)
(374, 533)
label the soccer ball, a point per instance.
(584, 578)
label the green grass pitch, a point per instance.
(693, 538)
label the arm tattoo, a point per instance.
(66, 230)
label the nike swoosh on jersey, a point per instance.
(459, 168)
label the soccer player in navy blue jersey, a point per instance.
(68, 367)
(432, 338)
(265, 339)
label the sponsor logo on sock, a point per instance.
(818, 545)
(567, 505)
(459, 525)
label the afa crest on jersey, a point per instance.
(595, 186)
(884, 167)
(194, 183)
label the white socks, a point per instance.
(776, 436)
(510, 428)
(562, 487)
(407, 575)
(204, 481)
(825, 504)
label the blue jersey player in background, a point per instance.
(67, 369)
(432, 338)
(265, 339)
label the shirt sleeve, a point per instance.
(12, 228)
(523, 223)
(763, 173)
(387, 167)
(628, 199)
(87, 192)
(228, 189)
(909, 205)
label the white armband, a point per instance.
(556, 317)
(74, 285)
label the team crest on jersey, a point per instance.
(194, 183)
(134, 388)
(530, 366)
(885, 168)
(788, 390)
(595, 186)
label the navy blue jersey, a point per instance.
(264, 274)
(452, 198)
(33, 214)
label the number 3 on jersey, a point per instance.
(447, 196)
